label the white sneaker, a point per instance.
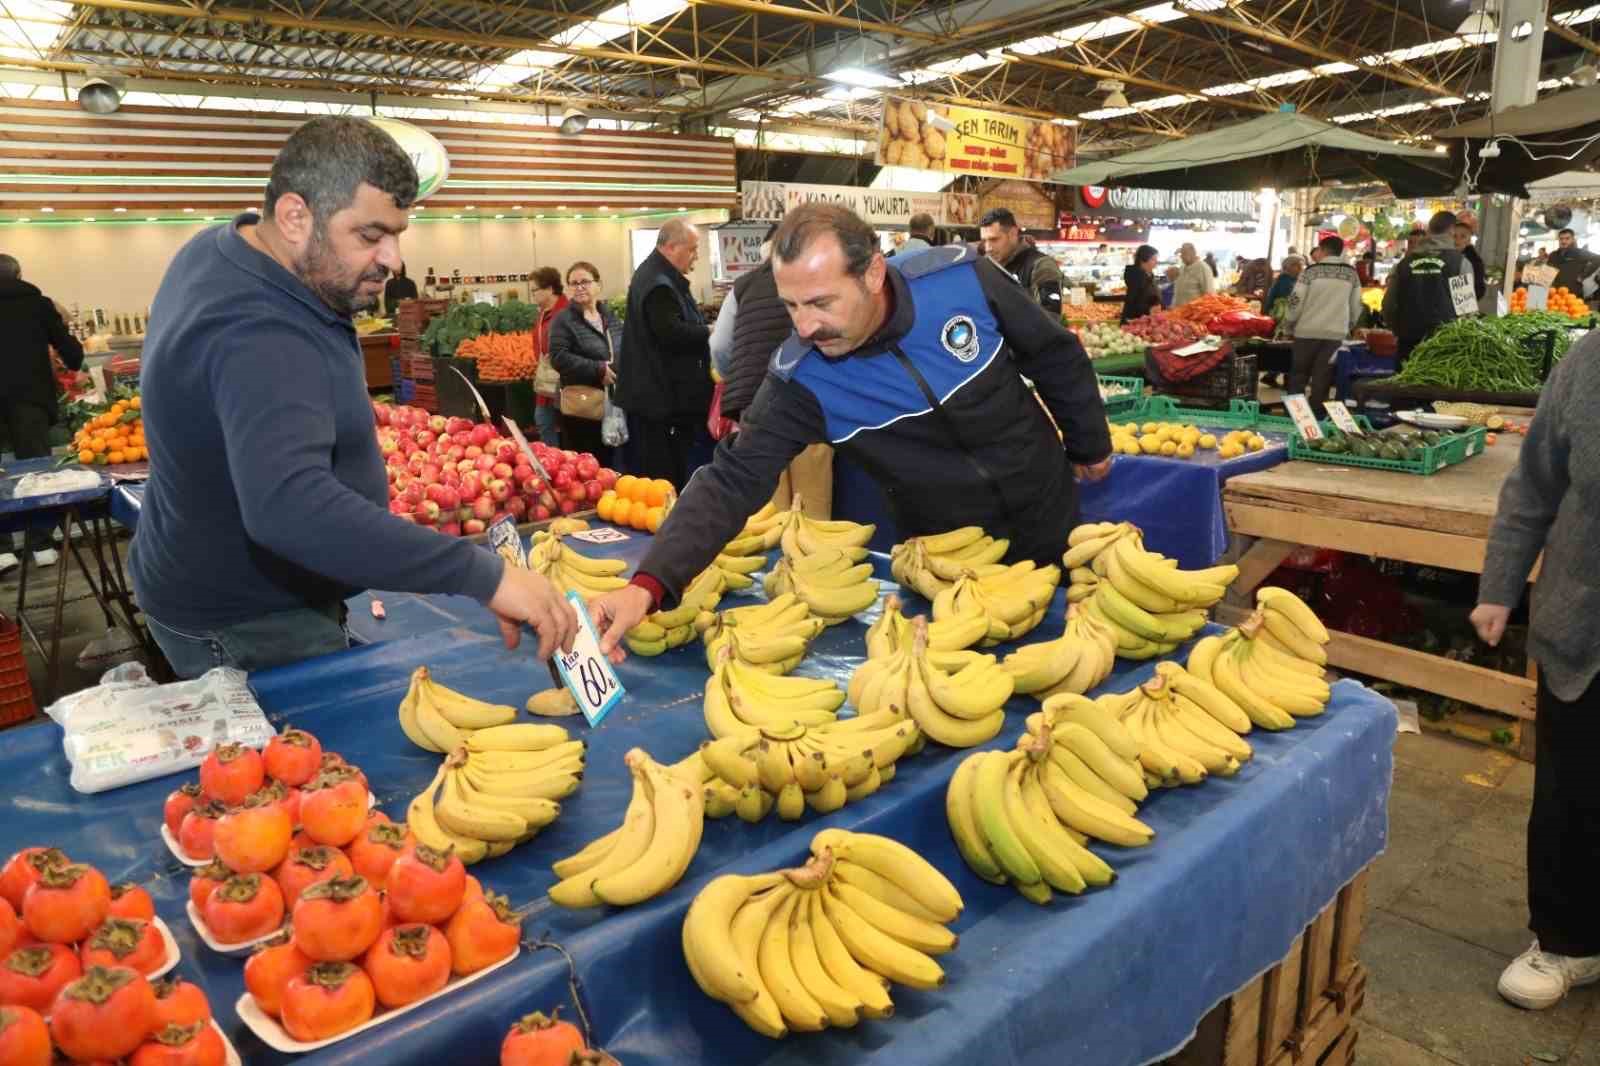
(1539, 979)
(8, 563)
(45, 557)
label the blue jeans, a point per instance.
(547, 417)
(271, 640)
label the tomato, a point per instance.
(482, 933)
(244, 907)
(33, 976)
(230, 773)
(333, 808)
(179, 803)
(196, 835)
(66, 903)
(11, 929)
(540, 1040)
(374, 851)
(338, 919)
(253, 839)
(23, 869)
(292, 757)
(181, 1045)
(179, 1002)
(129, 900)
(426, 885)
(130, 942)
(203, 879)
(306, 866)
(105, 1014)
(24, 1038)
(408, 963)
(267, 972)
(328, 999)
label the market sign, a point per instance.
(766, 201)
(738, 250)
(965, 140)
(1076, 230)
(427, 154)
(1212, 206)
(1033, 209)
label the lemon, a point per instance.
(1186, 450)
(1150, 443)
(1164, 434)
(1131, 447)
(1169, 448)
(1150, 427)
(1207, 440)
(1257, 443)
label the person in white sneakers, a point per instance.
(1546, 504)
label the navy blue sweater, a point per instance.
(267, 490)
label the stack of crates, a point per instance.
(413, 367)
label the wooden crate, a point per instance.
(1302, 1011)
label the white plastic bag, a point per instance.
(614, 424)
(128, 729)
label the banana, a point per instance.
(748, 927)
(977, 691)
(1078, 771)
(1085, 551)
(1187, 768)
(840, 965)
(753, 805)
(896, 863)
(1175, 736)
(1287, 633)
(881, 889)
(678, 809)
(537, 812)
(727, 759)
(1087, 813)
(1090, 531)
(432, 724)
(408, 714)
(1148, 569)
(1203, 655)
(1262, 711)
(1069, 707)
(1136, 620)
(1137, 590)
(878, 951)
(425, 826)
(1208, 729)
(588, 857)
(1116, 771)
(459, 815)
(1203, 693)
(523, 736)
(1014, 858)
(464, 712)
(1056, 870)
(959, 810)
(1294, 609)
(707, 927)
(830, 797)
(1061, 840)
(557, 783)
(638, 826)
(842, 1006)
(799, 1008)
(923, 934)
(517, 761)
(952, 541)
(1284, 660)
(645, 647)
(1294, 692)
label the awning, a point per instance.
(1558, 134)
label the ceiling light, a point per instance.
(91, 218)
(472, 207)
(499, 216)
(1585, 74)
(577, 216)
(1113, 90)
(1479, 23)
(615, 216)
(99, 97)
(538, 216)
(561, 207)
(687, 80)
(24, 220)
(1490, 150)
(48, 210)
(683, 209)
(152, 218)
(605, 207)
(119, 210)
(211, 218)
(516, 207)
(188, 210)
(864, 77)
(1522, 31)
(573, 122)
(455, 216)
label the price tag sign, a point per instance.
(1343, 418)
(1077, 296)
(601, 535)
(1463, 296)
(1539, 275)
(1538, 298)
(507, 542)
(587, 673)
(1299, 409)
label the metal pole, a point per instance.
(1516, 82)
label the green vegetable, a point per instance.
(1487, 355)
(465, 321)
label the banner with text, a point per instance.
(964, 140)
(738, 250)
(768, 200)
(1032, 207)
(1210, 205)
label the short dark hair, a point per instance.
(1441, 223)
(583, 264)
(325, 160)
(1146, 252)
(999, 216)
(921, 223)
(547, 278)
(809, 221)
(1333, 244)
(10, 269)
(1565, 233)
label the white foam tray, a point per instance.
(177, 852)
(200, 927)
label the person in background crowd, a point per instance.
(1367, 267)
(1255, 278)
(722, 331)
(551, 301)
(1194, 278)
(1169, 287)
(1211, 265)
(1418, 300)
(30, 326)
(1143, 296)
(398, 288)
(922, 234)
(1324, 306)
(584, 340)
(1284, 285)
(664, 381)
(1516, 277)
(1547, 506)
(1461, 234)
(1542, 257)
(1572, 263)
(1005, 243)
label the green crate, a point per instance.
(1457, 448)
(1119, 406)
(1241, 414)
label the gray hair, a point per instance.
(676, 231)
(10, 269)
(809, 221)
(1296, 259)
(327, 159)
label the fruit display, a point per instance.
(500, 356)
(113, 1013)
(1179, 742)
(497, 790)
(957, 698)
(1177, 440)
(1559, 300)
(801, 535)
(571, 571)
(440, 719)
(931, 564)
(739, 697)
(1012, 599)
(640, 503)
(649, 852)
(830, 581)
(1077, 661)
(818, 946)
(115, 435)
(1108, 339)
(664, 630)
(1270, 666)
(1163, 329)
(540, 1039)
(458, 477)
(1400, 443)
(772, 637)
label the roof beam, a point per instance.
(1133, 79)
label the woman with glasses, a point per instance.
(583, 341)
(546, 381)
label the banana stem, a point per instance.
(1252, 625)
(815, 873)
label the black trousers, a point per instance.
(1564, 828)
(664, 444)
(1312, 361)
(583, 435)
(28, 427)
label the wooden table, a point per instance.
(1441, 521)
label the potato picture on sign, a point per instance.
(891, 118)
(913, 156)
(910, 121)
(919, 109)
(933, 142)
(892, 154)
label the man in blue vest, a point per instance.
(915, 373)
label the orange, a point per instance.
(653, 518)
(621, 511)
(604, 507)
(625, 486)
(134, 403)
(657, 493)
(640, 517)
(85, 456)
(116, 457)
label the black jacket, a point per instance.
(1143, 295)
(1572, 266)
(397, 289)
(666, 358)
(1039, 273)
(1478, 278)
(578, 351)
(29, 325)
(760, 324)
(1418, 299)
(962, 332)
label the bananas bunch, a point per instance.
(1076, 661)
(747, 553)
(1013, 599)
(498, 791)
(892, 630)
(440, 719)
(818, 945)
(571, 571)
(664, 630)
(802, 535)
(1180, 740)
(933, 563)
(649, 852)
(739, 698)
(1270, 667)
(772, 636)
(822, 766)
(1092, 750)
(1007, 831)
(828, 581)
(956, 697)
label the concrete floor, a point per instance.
(1448, 902)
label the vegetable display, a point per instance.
(1108, 339)
(1485, 355)
(1164, 330)
(1208, 307)
(465, 321)
(1241, 324)
(500, 356)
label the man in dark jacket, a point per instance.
(1426, 287)
(915, 373)
(29, 325)
(1005, 243)
(1572, 263)
(664, 382)
(1461, 234)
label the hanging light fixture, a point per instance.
(573, 122)
(1113, 90)
(1480, 22)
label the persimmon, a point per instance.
(105, 1014)
(130, 942)
(482, 933)
(181, 1045)
(267, 972)
(253, 838)
(34, 976)
(230, 773)
(292, 757)
(333, 808)
(24, 868)
(426, 885)
(179, 1002)
(408, 963)
(129, 900)
(180, 801)
(66, 903)
(335, 766)
(306, 866)
(197, 832)
(474, 889)
(24, 1038)
(375, 850)
(203, 879)
(244, 907)
(11, 929)
(328, 999)
(338, 919)
(538, 1039)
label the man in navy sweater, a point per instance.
(267, 501)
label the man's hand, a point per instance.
(527, 598)
(1489, 619)
(617, 612)
(1092, 471)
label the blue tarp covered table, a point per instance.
(126, 502)
(42, 512)
(1118, 976)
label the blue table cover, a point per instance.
(1118, 976)
(127, 500)
(31, 512)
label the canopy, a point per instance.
(1558, 134)
(1285, 150)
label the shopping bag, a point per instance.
(613, 424)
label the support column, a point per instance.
(1516, 82)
